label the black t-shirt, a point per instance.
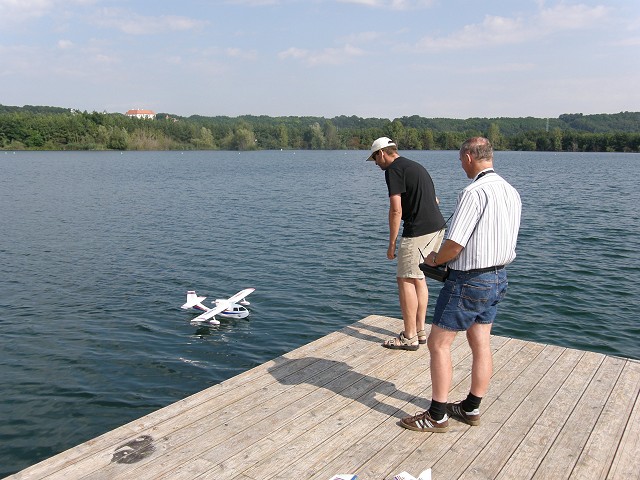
(420, 212)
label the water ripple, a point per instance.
(100, 248)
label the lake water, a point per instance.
(98, 249)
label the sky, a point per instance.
(324, 58)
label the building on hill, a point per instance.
(141, 113)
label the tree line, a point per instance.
(54, 128)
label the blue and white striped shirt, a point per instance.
(486, 223)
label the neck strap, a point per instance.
(482, 174)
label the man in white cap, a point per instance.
(412, 200)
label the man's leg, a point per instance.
(479, 338)
(414, 297)
(467, 410)
(439, 343)
(422, 292)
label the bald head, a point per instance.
(479, 148)
(476, 154)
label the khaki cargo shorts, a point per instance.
(409, 257)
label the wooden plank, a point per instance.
(626, 463)
(313, 439)
(386, 444)
(509, 387)
(352, 383)
(433, 447)
(334, 414)
(525, 460)
(314, 446)
(563, 454)
(385, 430)
(357, 444)
(600, 450)
(496, 453)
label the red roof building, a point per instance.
(141, 113)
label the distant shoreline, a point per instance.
(58, 129)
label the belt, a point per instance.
(487, 269)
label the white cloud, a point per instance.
(174, 59)
(105, 59)
(293, 52)
(492, 31)
(496, 30)
(392, 4)
(241, 54)
(327, 56)
(570, 17)
(65, 44)
(144, 25)
(364, 37)
(253, 3)
(19, 10)
(16, 11)
(16, 59)
(628, 42)
(23, 64)
(409, 4)
(368, 3)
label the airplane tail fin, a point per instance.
(193, 300)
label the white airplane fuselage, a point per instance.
(234, 311)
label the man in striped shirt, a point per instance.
(479, 244)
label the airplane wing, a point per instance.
(220, 307)
(241, 294)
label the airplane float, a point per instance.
(232, 307)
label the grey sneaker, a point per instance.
(422, 422)
(470, 418)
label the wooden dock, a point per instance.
(333, 406)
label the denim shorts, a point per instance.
(469, 297)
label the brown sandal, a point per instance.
(422, 337)
(402, 343)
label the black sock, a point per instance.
(471, 403)
(437, 410)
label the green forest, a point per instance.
(55, 128)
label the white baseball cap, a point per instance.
(381, 142)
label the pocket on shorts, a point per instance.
(474, 296)
(502, 291)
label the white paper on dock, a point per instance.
(426, 475)
(404, 476)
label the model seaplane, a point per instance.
(232, 307)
